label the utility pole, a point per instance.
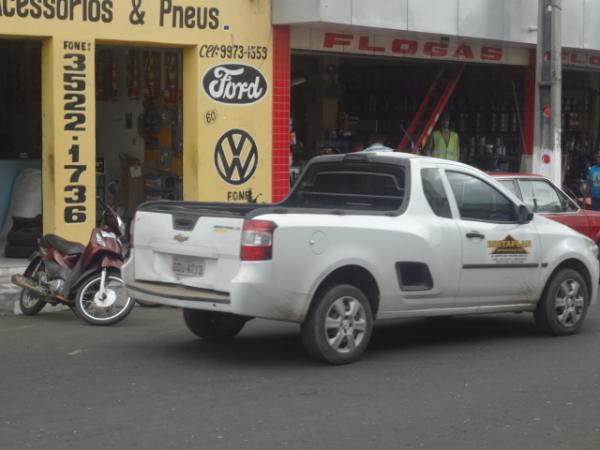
(547, 158)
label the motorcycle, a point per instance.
(87, 279)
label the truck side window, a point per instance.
(433, 187)
(477, 200)
(355, 186)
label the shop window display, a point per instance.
(20, 146)
(139, 125)
(346, 100)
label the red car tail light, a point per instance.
(257, 240)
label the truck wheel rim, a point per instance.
(345, 324)
(569, 303)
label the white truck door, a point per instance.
(500, 257)
(444, 238)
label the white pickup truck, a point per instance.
(361, 237)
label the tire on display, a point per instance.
(97, 311)
(213, 326)
(30, 303)
(563, 306)
(339, 325)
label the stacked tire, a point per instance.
(21, 241)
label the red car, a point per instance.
(545, 198)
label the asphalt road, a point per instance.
(466, 383)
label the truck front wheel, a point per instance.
(563, 306)
(338, 327)
(213, 326)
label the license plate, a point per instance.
(188, 267)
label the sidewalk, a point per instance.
(9, 293)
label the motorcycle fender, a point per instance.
(88, 273)
(33, 262)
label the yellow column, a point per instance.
(69, 141)
(191, 148)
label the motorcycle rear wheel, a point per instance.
(30, 303)
(103, 311)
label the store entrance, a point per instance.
(580, 127)
(139, 126)
(20, 147)
(340, 103)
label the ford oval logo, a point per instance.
(237, 84)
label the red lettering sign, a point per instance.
(577, 59)
(363, 44)
(595, 60)
(491, 54)
(464, 51)
(436, 49)
(405, 47)
(333, 39)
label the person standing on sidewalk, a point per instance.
(444, 143)
(377, 144)
(594, 180)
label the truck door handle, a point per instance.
(475, 234)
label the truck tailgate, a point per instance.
(202, 253)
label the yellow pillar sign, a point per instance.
(227, 106)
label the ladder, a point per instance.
(433, 103)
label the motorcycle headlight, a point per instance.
(122, 227)
(100, 240)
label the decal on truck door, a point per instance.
(509, 250)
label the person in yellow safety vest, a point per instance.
(444, 143)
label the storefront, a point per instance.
(349, 86)
(136, 100)
(374, 61)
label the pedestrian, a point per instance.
(594, 180)
(377, 144)
(443, 142)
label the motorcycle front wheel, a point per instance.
(103, 309)
(30, 303)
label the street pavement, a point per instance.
(488, 382)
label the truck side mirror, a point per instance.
(524, 214)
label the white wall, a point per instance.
(512, 21)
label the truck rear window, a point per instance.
(352, 186)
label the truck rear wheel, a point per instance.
(339, 325)
(563, 306)
(213, 326)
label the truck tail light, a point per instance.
(257, 240)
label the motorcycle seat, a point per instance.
(64, 246)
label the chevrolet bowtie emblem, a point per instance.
(181, 237)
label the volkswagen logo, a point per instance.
(236, 157)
